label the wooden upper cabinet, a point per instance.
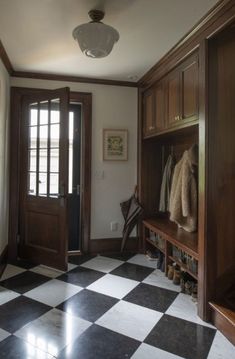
(159, 92)
(189, 78)
(149, 112)
(182, 93)
(154, 110)
(172, 101)
(173, 97)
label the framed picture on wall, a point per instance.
(115, 145)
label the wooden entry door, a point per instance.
(44, 178)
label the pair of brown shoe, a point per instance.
(174, 274)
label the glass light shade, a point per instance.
(95, 39)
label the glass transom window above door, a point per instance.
(43, 149)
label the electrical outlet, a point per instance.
(114, 226)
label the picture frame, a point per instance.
(115, 145)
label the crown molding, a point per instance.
(5, 59)
(68, 78)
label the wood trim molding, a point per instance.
(3, 260)
(17, 94)
(220, 15)
(112, 245)
(5, 59)
(68, 78)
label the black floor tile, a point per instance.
(121, 256)
(132, 271)
(80, 259)
(100, 343)
(81, 276)
(180, 337)
(16, 348)
(88, 305)
(151, 297)
(23, 282)
(23, 264)
(20, 311)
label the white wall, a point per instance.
(4, 163)
(112, 107)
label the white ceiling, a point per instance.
(37, 34)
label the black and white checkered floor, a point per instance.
(103, 307)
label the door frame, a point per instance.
(17, 94)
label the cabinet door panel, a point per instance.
(173, 98)
(149, 122)
(159, 108)
(190, 91)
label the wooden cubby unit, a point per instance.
(187, 98)
(173, 236)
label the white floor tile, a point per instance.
(130, 319)
(102, 264)
(6, 295)
(142, 260)
(146, 351)
(159, 279)
(11, 271)
(113, 285)
(47, 271)
(71, 266)
(53, 331)
(183, 307)
(53, 292)
(221, 348)
(3, 335)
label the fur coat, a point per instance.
(166, 185)
(183, 198)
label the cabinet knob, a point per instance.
(151, 128)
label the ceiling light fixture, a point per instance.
(96, 39)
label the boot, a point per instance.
(170, 273)
(176, 277)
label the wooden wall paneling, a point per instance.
(150, 176)
(221, 192)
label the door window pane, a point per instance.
(44, 113)
(42, 184)
(55, 135)
(33, 117)
(43, 136)
(32, 160)
(33, 137)
(43, 161)
(54, 185)
(54, 164)
(32, 183)
(55, 111)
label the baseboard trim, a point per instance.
(3, 260)
(112, 245)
